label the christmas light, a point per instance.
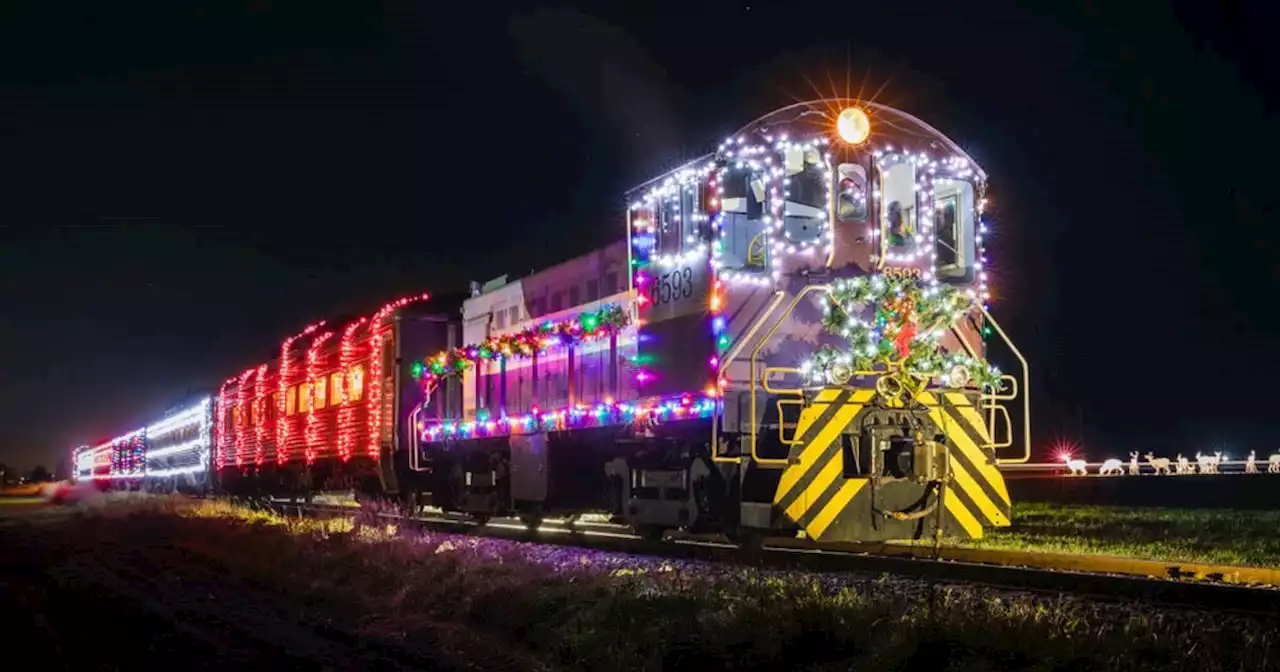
(259, 415)
(221, 441)
(576, 330)
(315, 378)
(376, 354)
(904, 333)
(282, 420)
(189, 450)
(195, 415)
(240, 416)
(348, 355)
(602, 414)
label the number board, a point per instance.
(678, 290)
(901, 272)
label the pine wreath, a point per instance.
(903, 335)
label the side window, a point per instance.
(575, 295)
(611, 282)
(320, 393)
(500, 319)
(355, 383)
(851, 193)
(513, 315)
(898, 202)
(291, 401)
(335, 387)
(743, 233)
(670, 228)
(304, 397)
(955, 246)
(593, 289)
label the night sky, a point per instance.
(183, 185)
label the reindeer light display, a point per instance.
(1251, 463)
(1134, 469)
(1273, 464)
(1078, 467)
(1110, 467)
(1160, 464)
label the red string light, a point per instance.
(348, 355)
(312, 431)
(260, 415)
(220, 441)
(242, 404)
(374, 393)
(282, 421)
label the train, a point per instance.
(789, 336)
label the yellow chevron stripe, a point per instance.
(816, 488)
(986, 471)
(964, 481)
(964, 517)
(961, 441)
(793, 473)
(969, 413)
(826, 395)
(815, 448)
(834, 466)
(848, 490)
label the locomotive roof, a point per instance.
(818, 117)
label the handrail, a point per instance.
(778, 295)
(1026, 394)
(755, 355)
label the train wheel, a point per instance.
(531, 519)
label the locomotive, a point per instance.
(790, 340)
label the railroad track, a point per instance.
(1253, 591)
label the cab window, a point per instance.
(743, 235)
(898, 202)
(804, 194)
(955, 242)
(851, 193)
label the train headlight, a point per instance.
(853, 125)
(839, 374)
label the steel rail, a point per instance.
(1187, 585)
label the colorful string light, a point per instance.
(582, 328)
(683, 407)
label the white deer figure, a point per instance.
(1273, 464)
(1160, 464)
(1111, 466)
(1184, 465)
(1134, 470)
(1208, 464)
(1251, 464)
(1077, 466)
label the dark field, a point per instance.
(208, 587)
(1217, 536)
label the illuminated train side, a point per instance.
(706, 417)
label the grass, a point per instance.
(1249, 538)
(565, 609)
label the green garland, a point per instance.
(903, 338)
